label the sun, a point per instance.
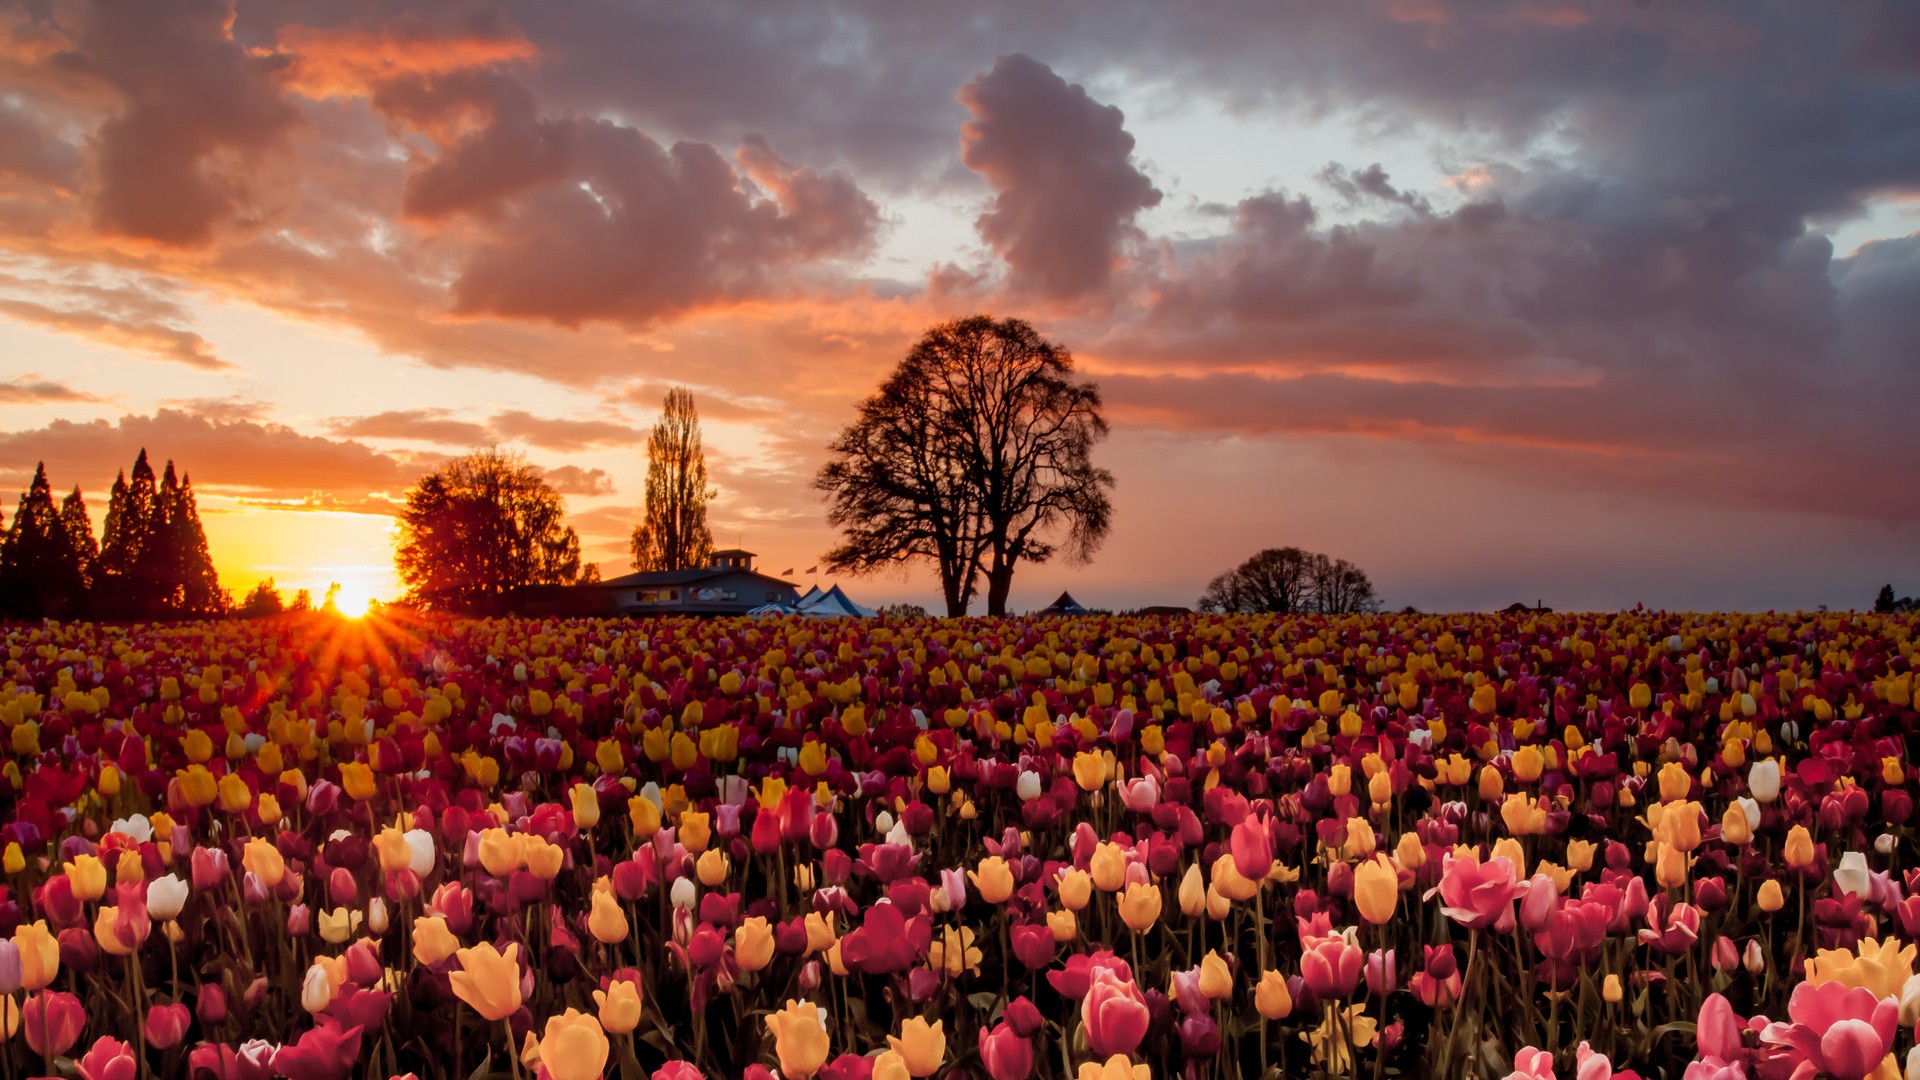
(352, 601)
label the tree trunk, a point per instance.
(999, 584)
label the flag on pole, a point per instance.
(813, 570)
(787, 571)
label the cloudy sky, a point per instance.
(1592, 303)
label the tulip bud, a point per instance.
(1611, 989)
(211, 1005)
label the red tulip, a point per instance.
(109, 1059)
(166, 1025)
(1005, 1053)
(53, 1022)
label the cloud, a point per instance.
(134, 312)
(574, 480)
(350, 61)
(34, 390)
(1062, 165)
(550, 433)
(235, 457)
(195, 114)
(414, 425)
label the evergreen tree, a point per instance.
(199, 583)
(263, 601)
(159, 569)
(125, 591)
(40, 573)
(86, 552)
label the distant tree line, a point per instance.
(151, 561)
(1887, 602)
(1291, 581)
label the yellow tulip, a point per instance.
(432, 941)
(753, 943)
(922, 1046)
(1271, 997)
(1117, 1067)
(1376, 890)
(263, 860)
(993, 880)
(1075, 888)
(1770, 898)
(1064, 924)
(607, 922)
(357, 779)
(820, 933)
(543, 860)
(574, 1047)
(619, 1006)
(695, 831)
(1216, 979)
(799, 1039)
(489, 980)
(1089, 771)
(1798, 851)
(88, 876)
(1140, 906)
(1108, 867)
(39, 954)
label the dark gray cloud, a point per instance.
(1062, 167)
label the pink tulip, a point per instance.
(1331, 966)
(1532, 1064)
(1839, 1029)
(1476, 895)
(1115, 1014)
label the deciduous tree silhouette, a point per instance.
(1289, 581)
(480, 527)
(975, 455)
(674, 533)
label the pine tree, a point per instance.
(81, 548)
(125, 592)
(40, 575)
(200, 592)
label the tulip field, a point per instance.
(1104, 848)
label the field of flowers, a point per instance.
(1105, 848)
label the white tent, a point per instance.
(832, 604)
(776, 609)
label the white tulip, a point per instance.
(376, 916)
(1748, 706)
(1752, 811)
(419, 850)
(136, 826)
(1763, 779)
(1910, 1003)
(1913, 1063)
(1852, 876)
(684, 894)
(316, 990)
(1884, 843)
(166, 897)
(883, 822)
(1027, 786)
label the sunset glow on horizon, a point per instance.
(1594, 304)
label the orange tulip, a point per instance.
(432, 941)
(607, 922)
(753, 943)
(1140, 906)
(992, 879)
(263, 860)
